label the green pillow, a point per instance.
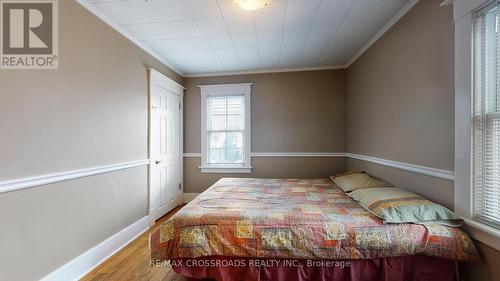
(357, 180)
(395, 205)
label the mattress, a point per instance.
(296, 219)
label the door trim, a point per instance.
(177, 89)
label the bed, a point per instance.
(287, 229)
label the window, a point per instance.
(486, 115)
(225, 128)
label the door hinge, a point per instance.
(180, 186)
(180, 107)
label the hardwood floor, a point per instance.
(132, 262)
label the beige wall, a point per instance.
(400, 101)
(265, 167)
(437, 190)
(291, 112)
(43, 228)
(92, 111)
(489, 271)
(400, 106)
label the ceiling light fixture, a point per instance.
(252, 4)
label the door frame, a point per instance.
(155, 77)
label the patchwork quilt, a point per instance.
(296, 219)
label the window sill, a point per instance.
(483, 233)
(226, 169)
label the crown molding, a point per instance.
(91, 8)
(381, 32)
(358, 54)
(262, 71)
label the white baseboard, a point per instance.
(83, 264)
(187, 197)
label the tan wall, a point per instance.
(43, 228)
(400, 106)
(437, 190)
(92, 111)
(291, 112)
(401, 91)
(488, 271)
(265, 167)
(400, 101)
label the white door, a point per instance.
(165, 145)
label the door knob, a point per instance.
(157, 161)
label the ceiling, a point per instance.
(207, 36)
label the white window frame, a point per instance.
(463, 13)
(226, 90)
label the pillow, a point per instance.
(357, 180)
(395, 205)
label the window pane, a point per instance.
(226, 129)
(234, 140)
(235, 105)
(235, 122)
(234, 155)
(217, 140)
(217, 105)
(486, 120)
(217, 155)
(217, 122)
(216, 114)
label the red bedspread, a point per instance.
(411, 268)
(296, 219)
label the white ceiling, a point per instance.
(202, 36)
